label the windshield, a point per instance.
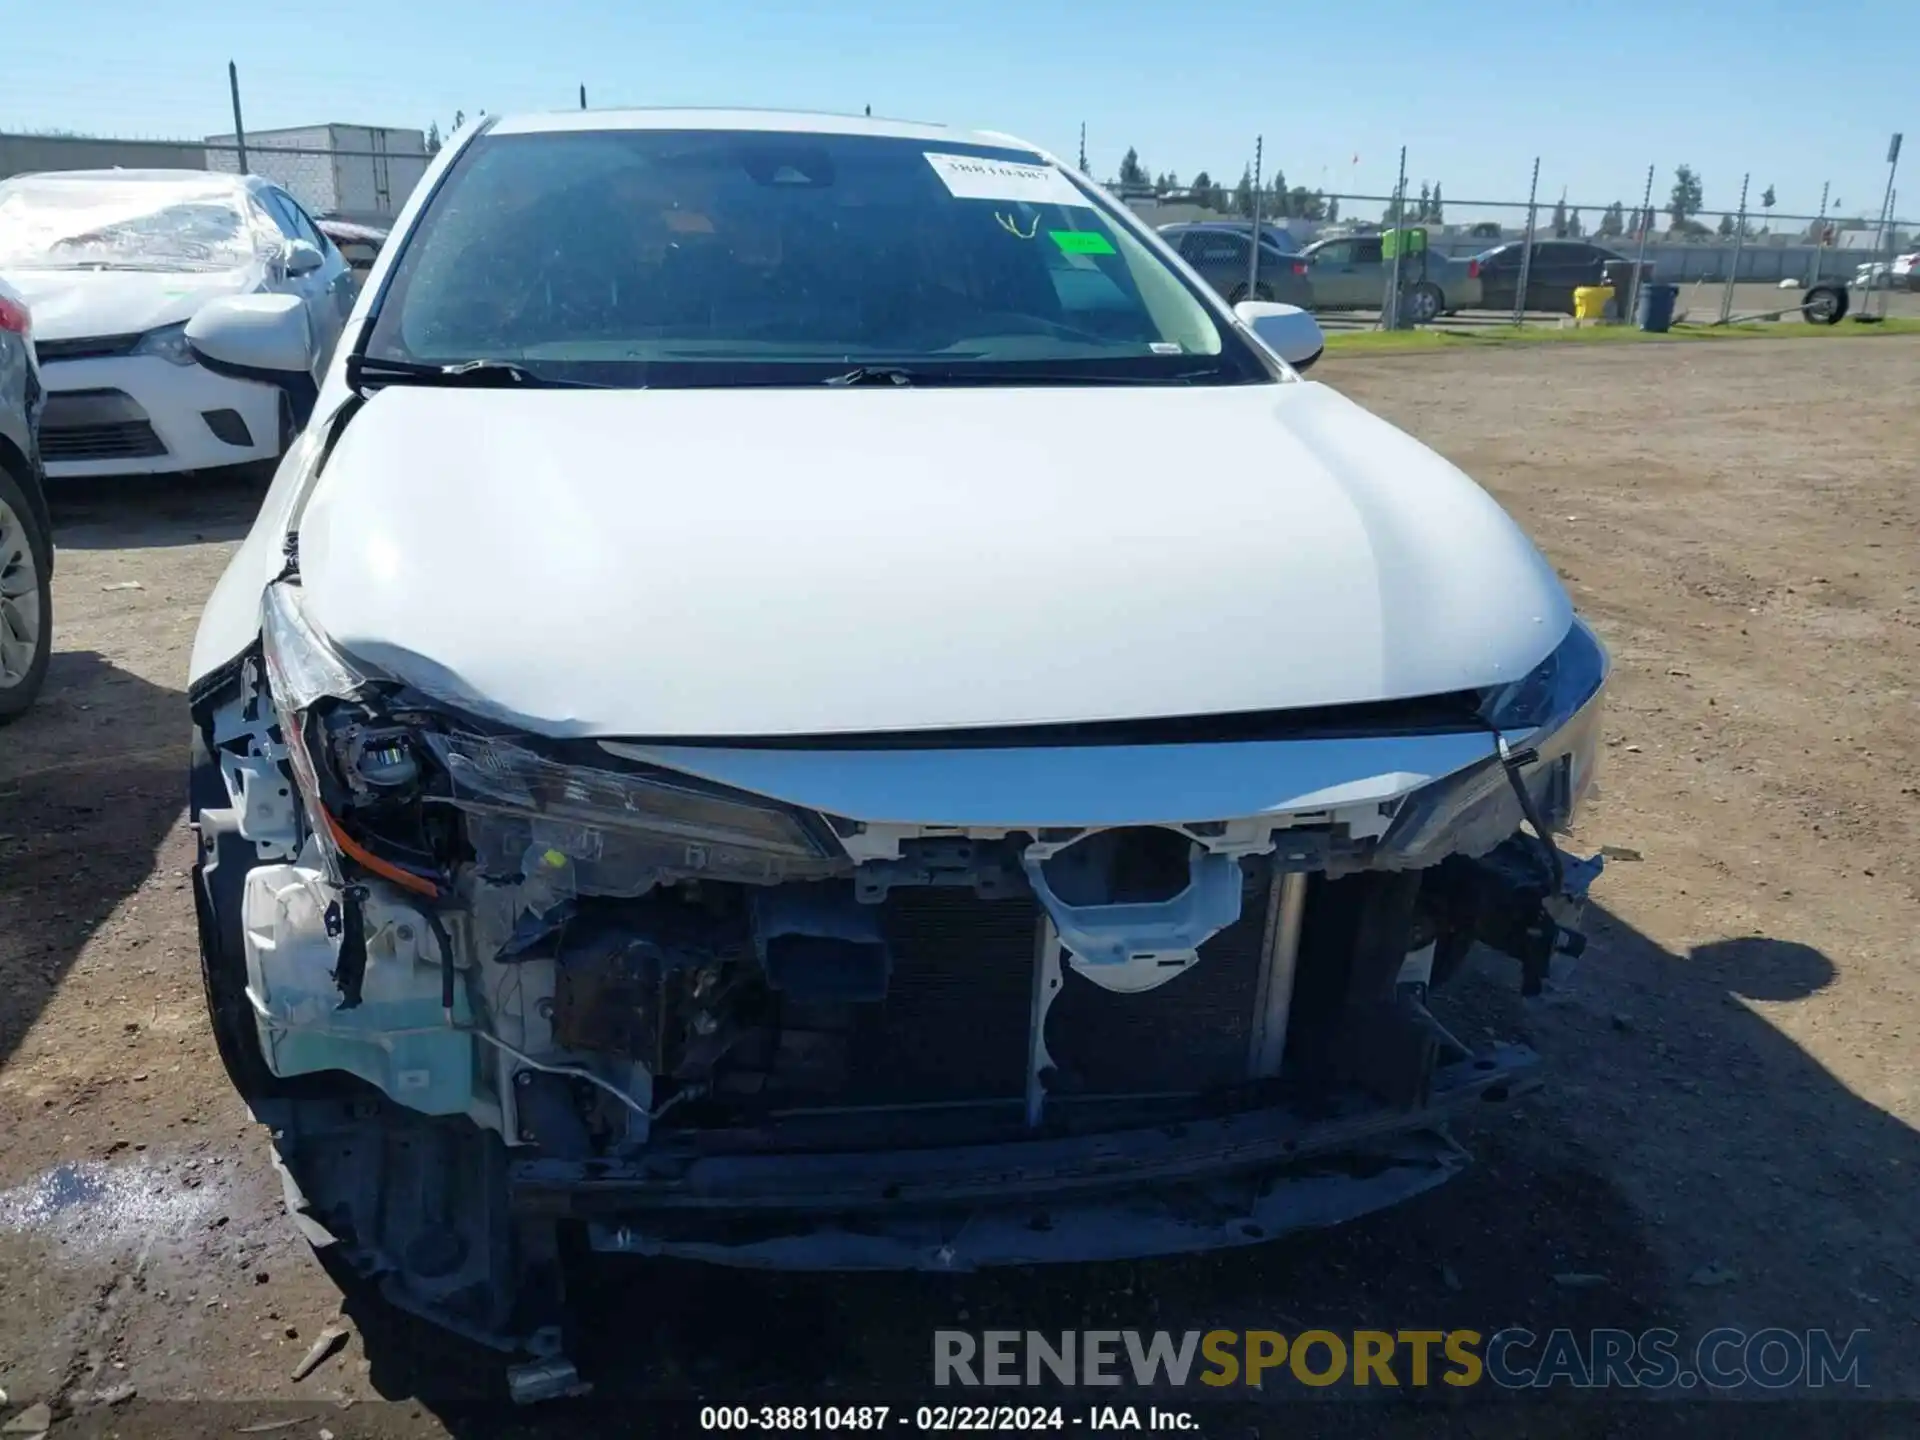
(651, 257)
(50, 222)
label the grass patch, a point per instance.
(1396, 342)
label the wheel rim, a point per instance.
(19, 600)
(1425, 305)
(1821, 306)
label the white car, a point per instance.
(114, 263)
(743, 728)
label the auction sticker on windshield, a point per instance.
(968, 177)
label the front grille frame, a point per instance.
(86, 347)
(119, 440)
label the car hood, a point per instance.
(735, 563)
(79, 304)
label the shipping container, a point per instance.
(357, 172)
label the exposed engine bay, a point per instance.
(576, 984)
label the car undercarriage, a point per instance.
(482, 985)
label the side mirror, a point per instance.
(1286, 330)
(302, 257)
(263, 338)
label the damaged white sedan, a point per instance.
(809, 697)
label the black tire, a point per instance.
(1825, 304)
(1239, 293)
(15, 698)
(1424, 303)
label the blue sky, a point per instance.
(1598, 92)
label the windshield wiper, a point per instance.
(873, 375)
(365, 370)
(1010, 379)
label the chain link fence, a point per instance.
(355, 172)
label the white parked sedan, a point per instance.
(114, 263)
(743, 729)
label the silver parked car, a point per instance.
(26, 535)
(1350, 273)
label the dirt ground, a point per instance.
(1727, 1136)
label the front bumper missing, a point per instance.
(1194, 1185)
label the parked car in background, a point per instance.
(1350, 272)
(358, 244)
(1223, 256)
(1900, 273)
(113, 264)
(26, 533)
(1559, 268)
(935, 821)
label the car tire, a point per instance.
(1425, 304)
(1825, 305)
(26, 598)
(1239, 293)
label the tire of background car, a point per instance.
(1825, 304)
(1239, 293)
(1425, 303)
(17, 510)
(219, 885)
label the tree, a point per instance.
(1131, 170)
(1243, 194)
(1686, 197)
(1333, 207)
(1486, 230)
(1425, 203)
(1202, 183)
(459, 119)
(433, 138)
(1559, 222)
(1613, 221)
(1275, 201)
(1307, 204)
(1726, 225)
(1574, 227)
(1766, 198)
(1435, 213)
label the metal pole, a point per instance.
(1390, 302)
(1820, 237)
(1526, 255)
(583, 97)
(1644, 226)
(1886, 214)
(1083, 147)
(1739, 243)
(239, 129)
(1253, 253)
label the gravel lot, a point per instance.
(1727, 1137)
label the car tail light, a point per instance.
(1299, 267)
(1473, 268)
(15, 317)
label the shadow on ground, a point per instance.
(91, 780)
(1537, 1234)
(132, 512)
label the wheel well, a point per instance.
(24, 475)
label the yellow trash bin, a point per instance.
(1590, 301)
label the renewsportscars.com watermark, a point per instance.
(1512, 1358)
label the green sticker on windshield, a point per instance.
(1082, 242)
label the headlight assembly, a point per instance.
(169, 342)
(1553, 715)
(408, 790)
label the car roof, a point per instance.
(801, 122)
